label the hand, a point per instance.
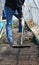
(24, 4)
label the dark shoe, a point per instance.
(3, 18)
(19, 31)
(14, 44)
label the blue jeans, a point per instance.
(9, 13)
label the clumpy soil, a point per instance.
(19, 56)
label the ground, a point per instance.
(19, 56)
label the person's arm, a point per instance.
(21, 17)
(23, 2)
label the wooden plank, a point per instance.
(35, 29)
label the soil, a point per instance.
(19, 56)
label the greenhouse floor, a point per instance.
(19, 56)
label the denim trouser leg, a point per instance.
(9, 14)
(20, 26)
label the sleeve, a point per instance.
(23, 2)
(20, 12)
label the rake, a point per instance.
(22, 35)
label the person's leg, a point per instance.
(20, 26)
(20, 20)
(9, 14)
